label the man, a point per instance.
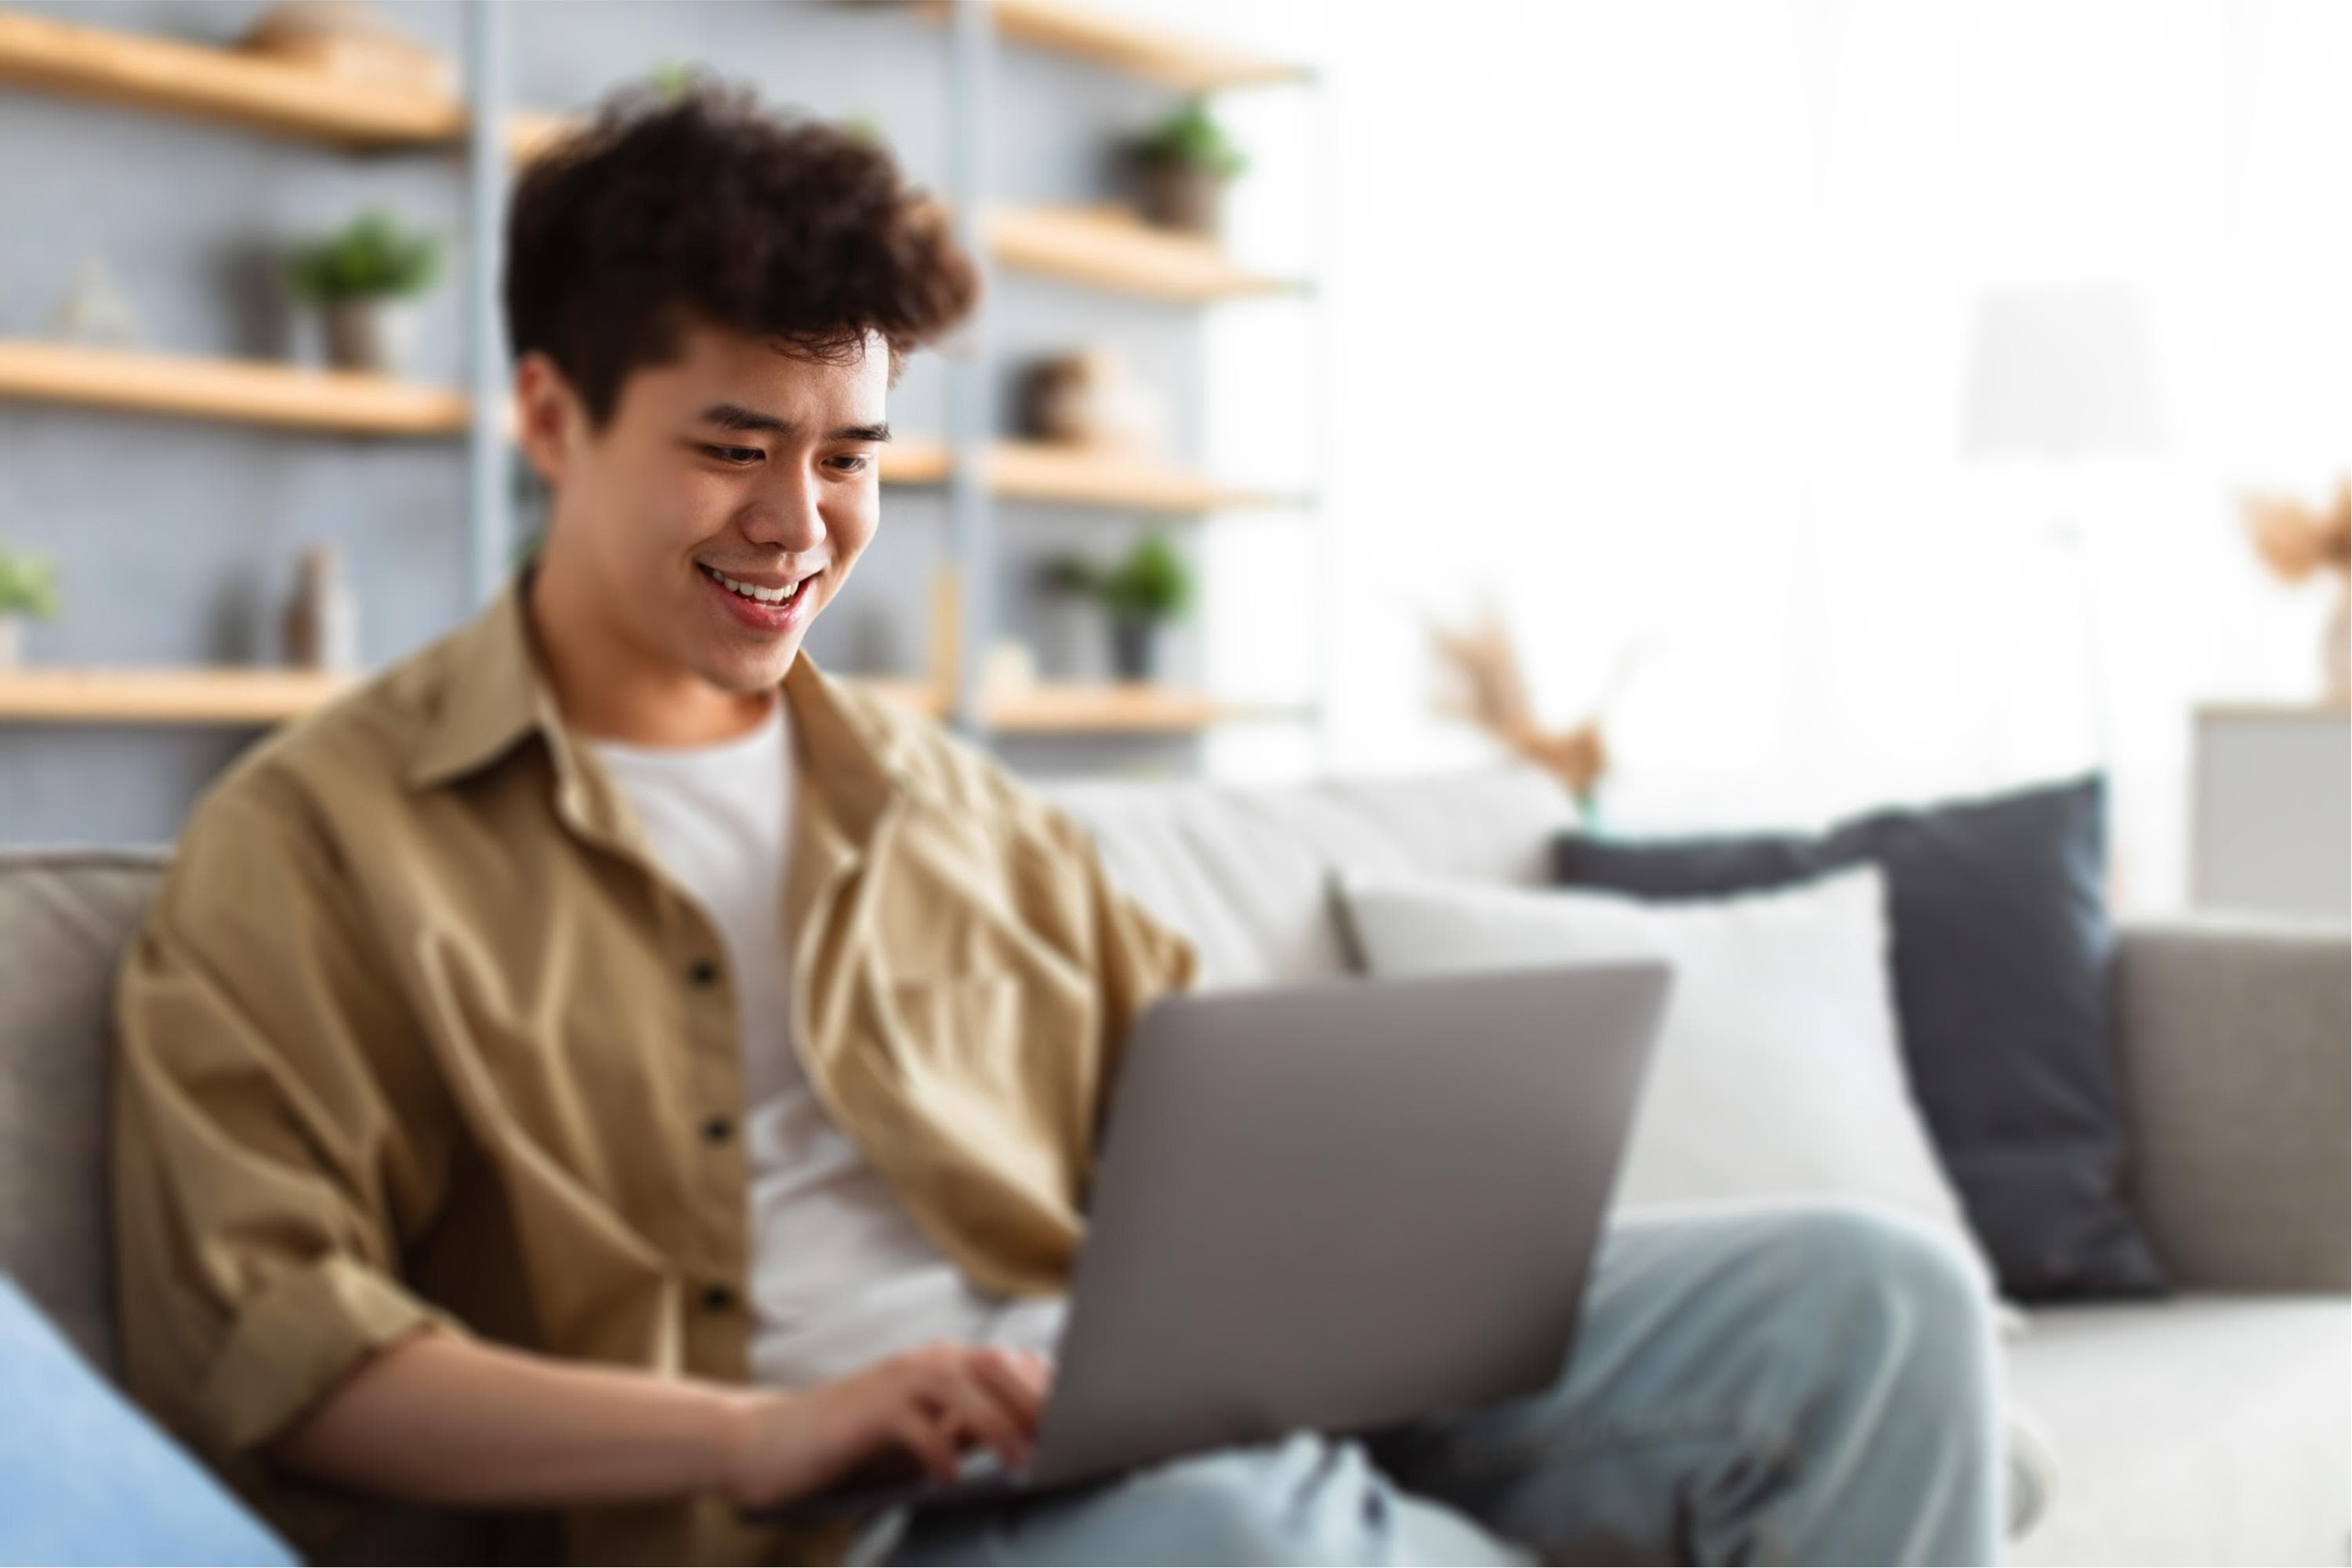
(604, 1070)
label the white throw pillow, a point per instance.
(1779, 1073)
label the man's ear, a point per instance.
(551, 422)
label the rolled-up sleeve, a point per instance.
(278, 1133)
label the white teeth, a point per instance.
(753, 591)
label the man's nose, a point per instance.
(785, 513)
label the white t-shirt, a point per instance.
(841, 1274)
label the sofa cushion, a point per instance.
(65, 919)
(2002, 948)
(1246, 872)
(1776, 1073)
(2204, 1428)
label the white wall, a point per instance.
(1652, 320)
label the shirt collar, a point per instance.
(493, 696)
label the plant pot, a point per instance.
(12, 641)
(1135, 648)
(1179, 196)
(374, 333)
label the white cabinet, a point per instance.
(2272, 812)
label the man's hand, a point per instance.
(931, 1403)
(440, 1418)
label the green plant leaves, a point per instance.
(1191, 139)
(1152, 583)
(371, 256)
(28, 586)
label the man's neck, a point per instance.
(607, 690)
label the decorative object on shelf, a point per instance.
(1151, 586)
(1008, 667)
(28, 592)
(321, 623)
(346, 39)
(94, 310)
(1493, 694)
(366, 278)
(1092, 398)
(1186, 162)
(2296, 541)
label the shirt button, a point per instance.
(703, 973)
(717, 1299)
(717, 1130)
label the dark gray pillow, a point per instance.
(2001, 951)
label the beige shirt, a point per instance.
(417, 1030)
(841, 1275)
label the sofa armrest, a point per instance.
(2234, 1050)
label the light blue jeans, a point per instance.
(1780, 1384)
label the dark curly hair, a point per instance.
(696, 205)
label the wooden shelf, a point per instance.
(253, 697)
(1073, 708)
(206, 81)
(210, 83)
(1106, 247)
(228, 696)
(1109, 248)
(1041, 471)
(1155, 54)
(531, 132)
(259, 392)
(254, 391)
(1058, 707)
(260, 697)
(916, 463)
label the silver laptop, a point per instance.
(1336, 1206)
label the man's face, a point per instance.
(722, 506)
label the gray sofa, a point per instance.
(2207, 1428)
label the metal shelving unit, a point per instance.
(1088, 248)
(1080, 246)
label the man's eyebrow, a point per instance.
(735, 416)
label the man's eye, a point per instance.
(853, 462)
(732, 454)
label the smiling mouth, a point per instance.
(753, 590)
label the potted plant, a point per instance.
(365, 280)
(1187, 161)
(1151, 586)
(28, 592)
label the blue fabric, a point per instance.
(1766, 1383)
(86, 1478)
